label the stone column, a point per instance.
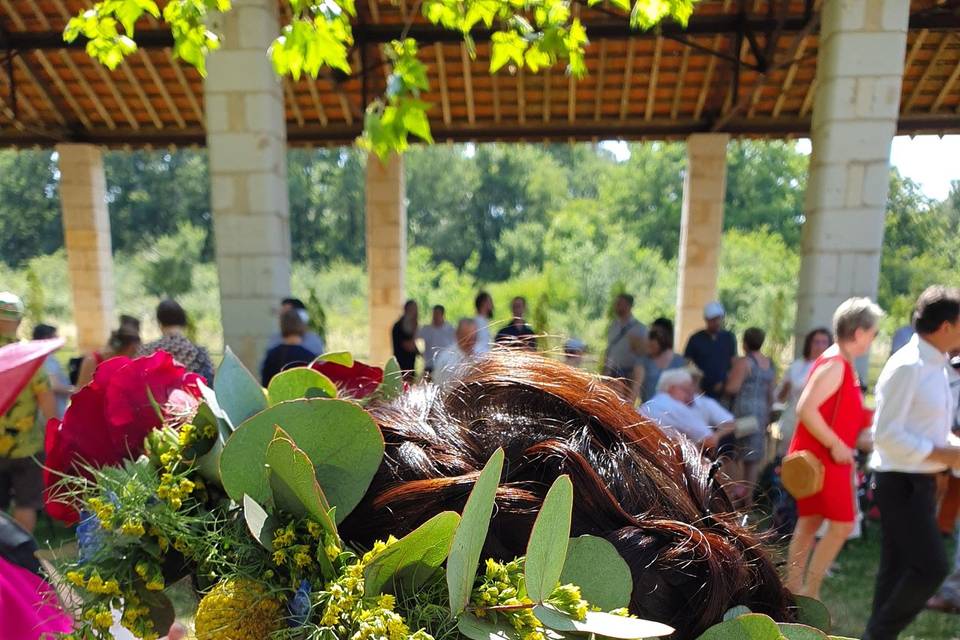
(386, 250)
(247, 147)
(704, 190)
(859, 73)
(86, 231)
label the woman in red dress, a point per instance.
(831, 417)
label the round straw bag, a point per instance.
(802, 474)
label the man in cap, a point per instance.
(712, 349)
(21, 437)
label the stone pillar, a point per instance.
(86, 231)
(247, 147)
(859, 73)
(386, 250)
(704, 190)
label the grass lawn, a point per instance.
(849, 594)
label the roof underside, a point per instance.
(743, 67)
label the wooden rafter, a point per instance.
(18, 101)
(571, 99)
(345, 106)
(521, 97)
(654, 73)
(374, 10)
(947, 86)
(678, 92)
(317, 103)
(546, 94)
(707, 82)
(51, 72)
(627, 79)
(468, 84)
(141, 94)
(931, 66)
(442, 78)
(187, 89)
(292, 100)
(158, 81)
(915, 48)
(788, 80)
(495, 85)
(601, 71)
(808, 98)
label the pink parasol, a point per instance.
(18, 362)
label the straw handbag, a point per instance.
(801, 472)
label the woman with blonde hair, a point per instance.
(831, 416)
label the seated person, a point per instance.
(674, 409)
(290, 352)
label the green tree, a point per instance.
(30, 223)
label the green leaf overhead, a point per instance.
(413, 558)
(299, 382)
(340, 439)
(547, 549)
(602, 624)
(472, 533)
(238, 392)
(594, 565)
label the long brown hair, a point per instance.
(654, 498)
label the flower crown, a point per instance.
(242, 489)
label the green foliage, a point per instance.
(239, 394)
(472, 533)
(293, 482)
(603, 624)
(412, 560)
(167, 271)
(299, 382)
(599, 570)
(549, 538)
(261, 524)
(813, 613)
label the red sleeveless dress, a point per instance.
(845, 414)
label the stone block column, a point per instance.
(86, 231)
(247, 147)
(386, 250)
(704, 190)
(859, 73)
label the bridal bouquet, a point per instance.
(241, 489)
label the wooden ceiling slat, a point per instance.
(546, 94)
(652, 88)
(495, 84)
(678, 92)
(51, 71)
(601, 71)
(915, 48)
(788, 80)
(571, 99)
(627, 79)
(171, 105)
(138, 89)
(907, 107)
(317, 103)
(947, 86)
(808, 98)
(521, 97)
(442, 80)
(187, 89)
(467, 83)
(292, 100)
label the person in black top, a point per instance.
(290, 352)
(712, 349)
(405, 339)
(518, 333)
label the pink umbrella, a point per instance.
(18, 362)
(29, 608)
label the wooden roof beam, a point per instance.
(601, 70)
(521, 97)
(947, 86)
(788, 80)
(652, 86)
(908, 105)
(468, 84)
(678, 92)
(442, 80)
(144, 100)
(317, 103)
(185, 85)
(292, 99)
(546, 94)
(627, 79)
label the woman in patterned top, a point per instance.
(173, 320)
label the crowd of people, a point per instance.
(724, 395)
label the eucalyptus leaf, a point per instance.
(392, 385)
(340, 439)
(601, 624)
(472, 533)
(238, 393)
(292, 473)
(736, 612)
(800, 632)
(547, 549)
(299, 382)
(477, 629)
(594, 565)
(260, 523)
(752, 626)
(344, 358)
(813, 613)
(413, 558)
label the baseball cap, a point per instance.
(11, 306)
(713, 310)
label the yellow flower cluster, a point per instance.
(174, 489)
(502, 586)
(135, 616)
(301, 546)
(104, 511)
(237, 610)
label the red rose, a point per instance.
(109, 418)
(358, 381)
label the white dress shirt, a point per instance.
(914, 410)
(712, 411)
(435, 340)
(483, 334)
(676, 418)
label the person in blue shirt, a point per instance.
(712, 349)
(290, 352)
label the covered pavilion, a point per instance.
(850, 74)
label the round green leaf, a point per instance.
(601, 624)
(813, 613)
(472, 533)
(299, 382)
(344, 358)
(413, 558)
(547, 549)
(477, 629)
(801, 632)
(339, 438)
(294, 483)
(752, 626)
(238, 392)
(594, 565)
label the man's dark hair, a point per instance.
(808, 340)
(291, 324)
(661, 336)
(664, 323)
(296, 303)
(44, 332)
(440, 308)
(480, 299)
(936, 305)
(406, 305)
(753, 338)
(171, 314)
(129, 323)
(521, 299)
(626, 297)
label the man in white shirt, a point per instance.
(448, 361)
(484, 306)
(437, 336)
(912, 444)
(674, 409)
